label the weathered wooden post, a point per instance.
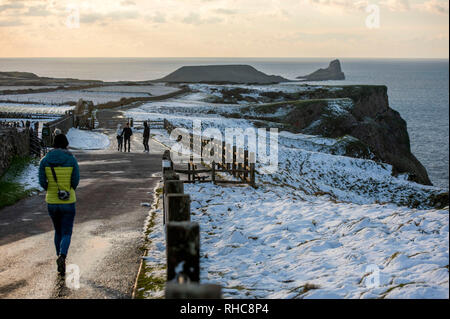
(183, 250)
(193, 291)
(252, 169)
(223, 165)
(189, 171)
(178, 207)
(213, 172)
(246, 165)
(233, 167)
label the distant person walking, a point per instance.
(146, 136)
(59, 175)
(127, 132)
(119, 137)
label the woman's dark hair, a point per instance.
(60, 141)
(145, 124)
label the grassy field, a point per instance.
(11, 191)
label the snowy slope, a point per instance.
(318, 226)
(270, 243)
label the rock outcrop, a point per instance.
(359, 111)
(333, 72)
(242, 74)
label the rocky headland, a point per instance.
(238, 74)
(333, 72)
(359, 111)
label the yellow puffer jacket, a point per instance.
(64, 176)
(67, 173)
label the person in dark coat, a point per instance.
(146, 136)
(127, 133)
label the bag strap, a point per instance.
(54, 176)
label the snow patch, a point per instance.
(87, 140)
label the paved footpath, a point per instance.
(107, 235)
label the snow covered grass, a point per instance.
(274, 243)
(87, 140)
(67, 96)
(25, 87)
(342, 178)
(154, 90)
(34, 108)
(152, 278)
(317, 226)
(286, 87)
(315, 165)
(19, 181)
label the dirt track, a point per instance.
(107, 234)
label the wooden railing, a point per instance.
(182, 241)
(238, 162)
(153, 124)
(65, 123)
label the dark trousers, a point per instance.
(119, 143)
(146, 147)
(62, 216)
(127, 140)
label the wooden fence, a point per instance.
(238, 162)
(182, 241)
(65, 123)
(153, 124)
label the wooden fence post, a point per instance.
(252, 169)
(178, 208)
(183, 250)
(246, 165)
(223, 164)
(193, 291)
(233, 167)
(170, 187)
(213, 172)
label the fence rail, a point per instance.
(153, 124)
(238, 162)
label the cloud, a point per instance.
(127, 3)
(157, 17)
(225, 11)
(196, 19)
(346, 5)
(37, 11)
(11, 5)
(396, 5)
(10, 23)
(435, 6)
(94, 17)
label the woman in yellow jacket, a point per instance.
(59, 175)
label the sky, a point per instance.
(225, 28)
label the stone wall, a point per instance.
(13, 142)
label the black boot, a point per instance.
(61, 262)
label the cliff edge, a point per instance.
(360, 111)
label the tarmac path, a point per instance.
(107, 236)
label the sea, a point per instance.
(417, 88)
